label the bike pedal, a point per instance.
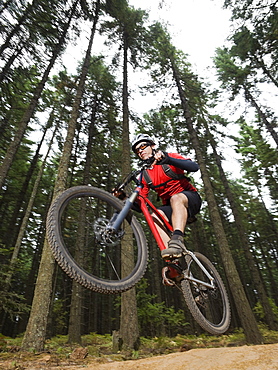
(171, 275)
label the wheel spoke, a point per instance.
(84, 246)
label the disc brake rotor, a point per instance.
(105, 234)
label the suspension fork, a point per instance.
(128, 205)
(124, 212)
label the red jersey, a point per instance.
(168, 188)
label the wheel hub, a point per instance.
(105, 234)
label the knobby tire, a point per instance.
(71, 227)
(209, 307)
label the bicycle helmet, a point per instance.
(139, 138)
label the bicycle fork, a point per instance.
(124, 212)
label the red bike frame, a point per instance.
(144, 204)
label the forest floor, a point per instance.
(227, 352)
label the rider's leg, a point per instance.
(179, 204)
(160, 227)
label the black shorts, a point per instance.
(194, 205)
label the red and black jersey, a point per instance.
(164, 185)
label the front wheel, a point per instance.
(76, 227)
(209, 306)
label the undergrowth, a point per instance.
(100, 346)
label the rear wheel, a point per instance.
(209, 306)
(76, 230)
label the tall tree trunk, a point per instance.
(28, 212)
(269, 126)
(260, 63)
(31, 279)
(17, 27)
(13, 228)
(258, 284)
(22, 125)
(75, 319)
(36, 329)
(129, 329)
(8, 64)
(246, 315)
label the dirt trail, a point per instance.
(262, 357)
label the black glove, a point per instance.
(119, 193)
(164, 160)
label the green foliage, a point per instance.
(166, 124)
(12, 303)
(259, 312)
(100, 347)
(230, 73)
(60, 316)
(153, 316)
(255, 38)
(127, 28)
(258, 158)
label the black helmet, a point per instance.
(141, 137)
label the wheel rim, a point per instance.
(106, 262)
(209, 307)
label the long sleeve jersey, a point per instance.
(164, 185)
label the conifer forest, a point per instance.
(60, 129)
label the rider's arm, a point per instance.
(183, 164)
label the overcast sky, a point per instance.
(197, 27)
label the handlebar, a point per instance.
(133, 176)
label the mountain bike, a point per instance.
(97, 240)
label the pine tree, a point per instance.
(169, 57)
(22, 124)
(128, 23)
(36, 329)
(235, 78)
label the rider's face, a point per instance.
(144, 150)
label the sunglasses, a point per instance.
(142, 147)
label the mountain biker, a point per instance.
(181, 201)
